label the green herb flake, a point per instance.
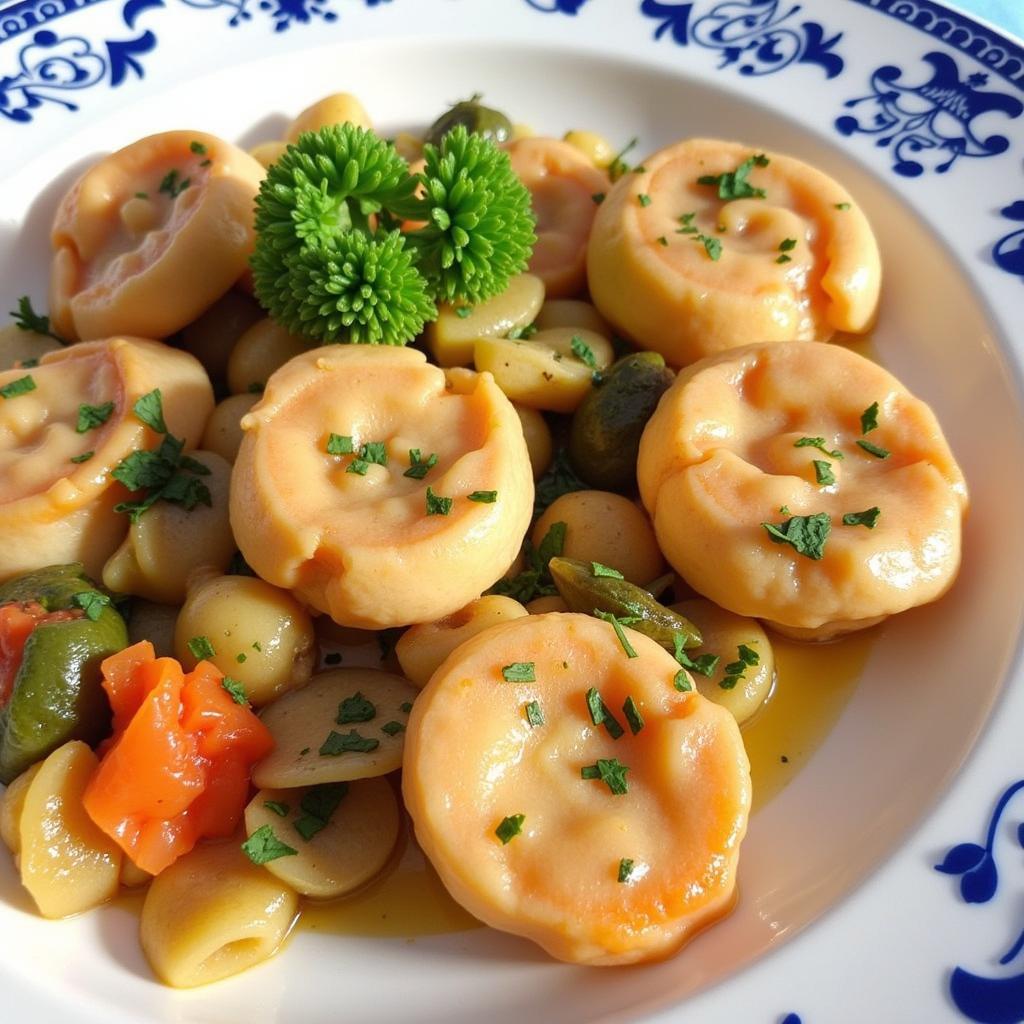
(374, 452)
(598, 198)
(438, 506)
(418, 466)
(783, 259)
(509, 828)
(27, 319)
(688, 227)
(464, 311)
(618, 167)
(92, 602)
(712, 246)
(201, 648)
(819, 443)
(534, 714)
(84, 457)
(874, 449)
(869, 418)
(868, 518)
(484, 497)
(600, 714)
(276, 807)
(21, 386)
(523, 333)
(392, 728)
(340, 444)
(355, 709)
(610, 771)
(197, 147)
(598, 570)
(173, 184)
(787, 245)
(805, 534)
(583, 352)
(633, 716)
(241, 658)
(256, 646)
(141, 195)
(236, 691)
(350, 742)
(625, 869)
(823, 472)
(842, 206)
(704, 664)
(406, 706)
(619, 631)
(734, 184)
(748, 655)
(149, 409)
(357, 466)
(92, 416)
(682, 681)
(519, 672)
(317, 806)
(662, 240)
(643, 199)
(263, 846)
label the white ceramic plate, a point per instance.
(919, 111)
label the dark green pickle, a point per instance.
(584, 592)
(605, 435)
(486, 121)
(56, 695)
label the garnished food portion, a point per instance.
(151, 236)
(711, 245)
(353, 486)
(528, 788)
(769, 499)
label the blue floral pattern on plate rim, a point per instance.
(925, 123)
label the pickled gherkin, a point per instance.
(475, 117)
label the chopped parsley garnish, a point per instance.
(869, 418)
(197, 147)
(874, 449)
(534, 714)
(823, 472)
(682, 682)
(619, 631)
(819, 443)
(92, 602)
(355, 709)
(712, 246)
(149, 409)
(643, 199)
(256, 646)
(734, 184)
(173, 184)
(464, 311)
(735, 670)
(21, 386)
(317, 806)
(688, 227)
(438, 506)
(536, 580)
(84, 457)
(263, 846)
(633, 716)
(27, 319)
(141, 195)
(598, 198)
(786, 246)
(868, 518)
(625, 869)
(618, 167)
(583, 352)
(610, 771)
(484, 497)
(201, 648)
(600, 714)
(598, 570)
(25, 364)
(509, 828)
(276, 807)
(392, 728)
(662, 240)
(91, 416)
(519, 672)
(350, 742)
(375, 452)
(357, 466)
(705, 664)
(236, 690)
(805, 534)
(419, 467)
(406, 706)
(523, 333)
(842, 206)
(340, 444)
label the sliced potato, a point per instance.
(311, 729)
(12, 803)
(342, 855)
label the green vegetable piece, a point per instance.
(869, 419)
(56, 696)
(472, 115)
(21, 386)
(92, 416)
(534, 713)
(519, 672)
(866, 518)
(509, 828)
(600, 714)
(235, 690)
(27, 319)
(263, 846)
(630, 604)
(625, 869)
(633, 716)
(355, 709)
(823, 472)
(874, 449)
(610, 771)
(350, 742)
(484, 497)
(805, 534)
(317, 806)
(605, 435)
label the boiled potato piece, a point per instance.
(601, 850)
(213, 913)
(155, 623)
(67, 864)
(596, 148)
(548, 371)
(54, 509)
(451, 337)
(151, 236)
(133, 877)
(606, 528)
(267, 153)
(355, 844)
(223, 433)
(168, 544)
(12, 803)
(212, 336)
(262, 349)
(346, 724)
(338, 108)
(18, 346)
(542, 605)
(421, 649)
(725, 634)
(260, 635)
(572, 313)
(563, 184)
(328, 499)
(655, 272)
(728, 451)
(538, 439)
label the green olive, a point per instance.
(584, 591)
(606, 428)
(486, 121)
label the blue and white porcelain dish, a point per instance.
(884, 883)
